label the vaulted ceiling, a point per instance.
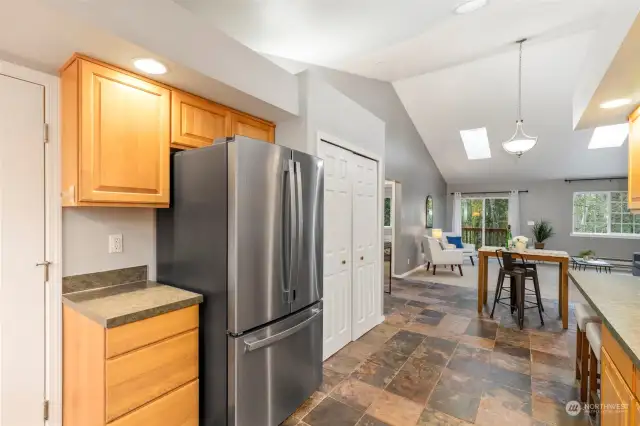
(452, 72)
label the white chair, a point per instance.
(469, 250)
(435, 255)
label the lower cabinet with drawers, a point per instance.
(141, 373)
(619, 385)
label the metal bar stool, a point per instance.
(509, 267)
(584, 316)
(594, 336)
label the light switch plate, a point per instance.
(115, 243)
(531, 223)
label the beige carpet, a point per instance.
(547, 273)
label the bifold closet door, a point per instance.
(337, 248)
(366, 291)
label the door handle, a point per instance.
(300, 222)
(252, 345)
(289, 169)
(46, 265)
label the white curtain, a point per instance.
(514, 213)
(456, 225)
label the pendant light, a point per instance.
(520, 142)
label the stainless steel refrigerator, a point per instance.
(245, 230)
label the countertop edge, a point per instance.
(134, 316)
(632, 355)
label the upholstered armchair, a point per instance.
(469, 250)
(435, 255)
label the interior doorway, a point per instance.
(389, 223)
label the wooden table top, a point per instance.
(532, 253)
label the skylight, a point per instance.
(476, 143)
(609, 136)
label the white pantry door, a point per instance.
(337, 249)
(366, 291)
(22, 245)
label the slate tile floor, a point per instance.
(435, 361)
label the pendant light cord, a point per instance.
(520, 83)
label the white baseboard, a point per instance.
(406, 274)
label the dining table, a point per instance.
(534, 255)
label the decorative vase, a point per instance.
(539, 246)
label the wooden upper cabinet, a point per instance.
(116, 137)
(634, 161)
(244, 125)
(196, 122)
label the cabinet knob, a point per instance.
(361, 257)
(344, 262)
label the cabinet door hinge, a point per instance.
(46, 133)
(45, 410)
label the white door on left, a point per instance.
(22, 246)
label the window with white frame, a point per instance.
(603, 213)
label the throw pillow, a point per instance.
(457, 241)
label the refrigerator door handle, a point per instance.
(293, 241)
(300, 217)
(252, 345)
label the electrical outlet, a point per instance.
(531, 223)
(115, 243)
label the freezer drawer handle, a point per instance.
(258, 344)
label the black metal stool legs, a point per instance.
(536, 285)
(498, 292)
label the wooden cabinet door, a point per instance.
(636, 413)
(196, 122)
(614, 393)
(243, 125)
(124, 138)
(634, 161)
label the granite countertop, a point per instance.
(616, 299)
(122, 304)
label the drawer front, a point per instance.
(178, 408)
(618, 356)
(138, 377)
(132, 336)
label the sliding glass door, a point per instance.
(485, 221)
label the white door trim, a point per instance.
(53, 228)
(321, 136)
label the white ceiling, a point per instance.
(612, 69)
(43, 34)
(483, 93)
(390, 40)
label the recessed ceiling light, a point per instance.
(476, 143)
(609, 136)
(149, 66)
(470, 6)
(615, 103)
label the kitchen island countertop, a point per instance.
(616, 299)
(122, 304)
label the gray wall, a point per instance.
(85, 239)
(553, 201)
(406, 160)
